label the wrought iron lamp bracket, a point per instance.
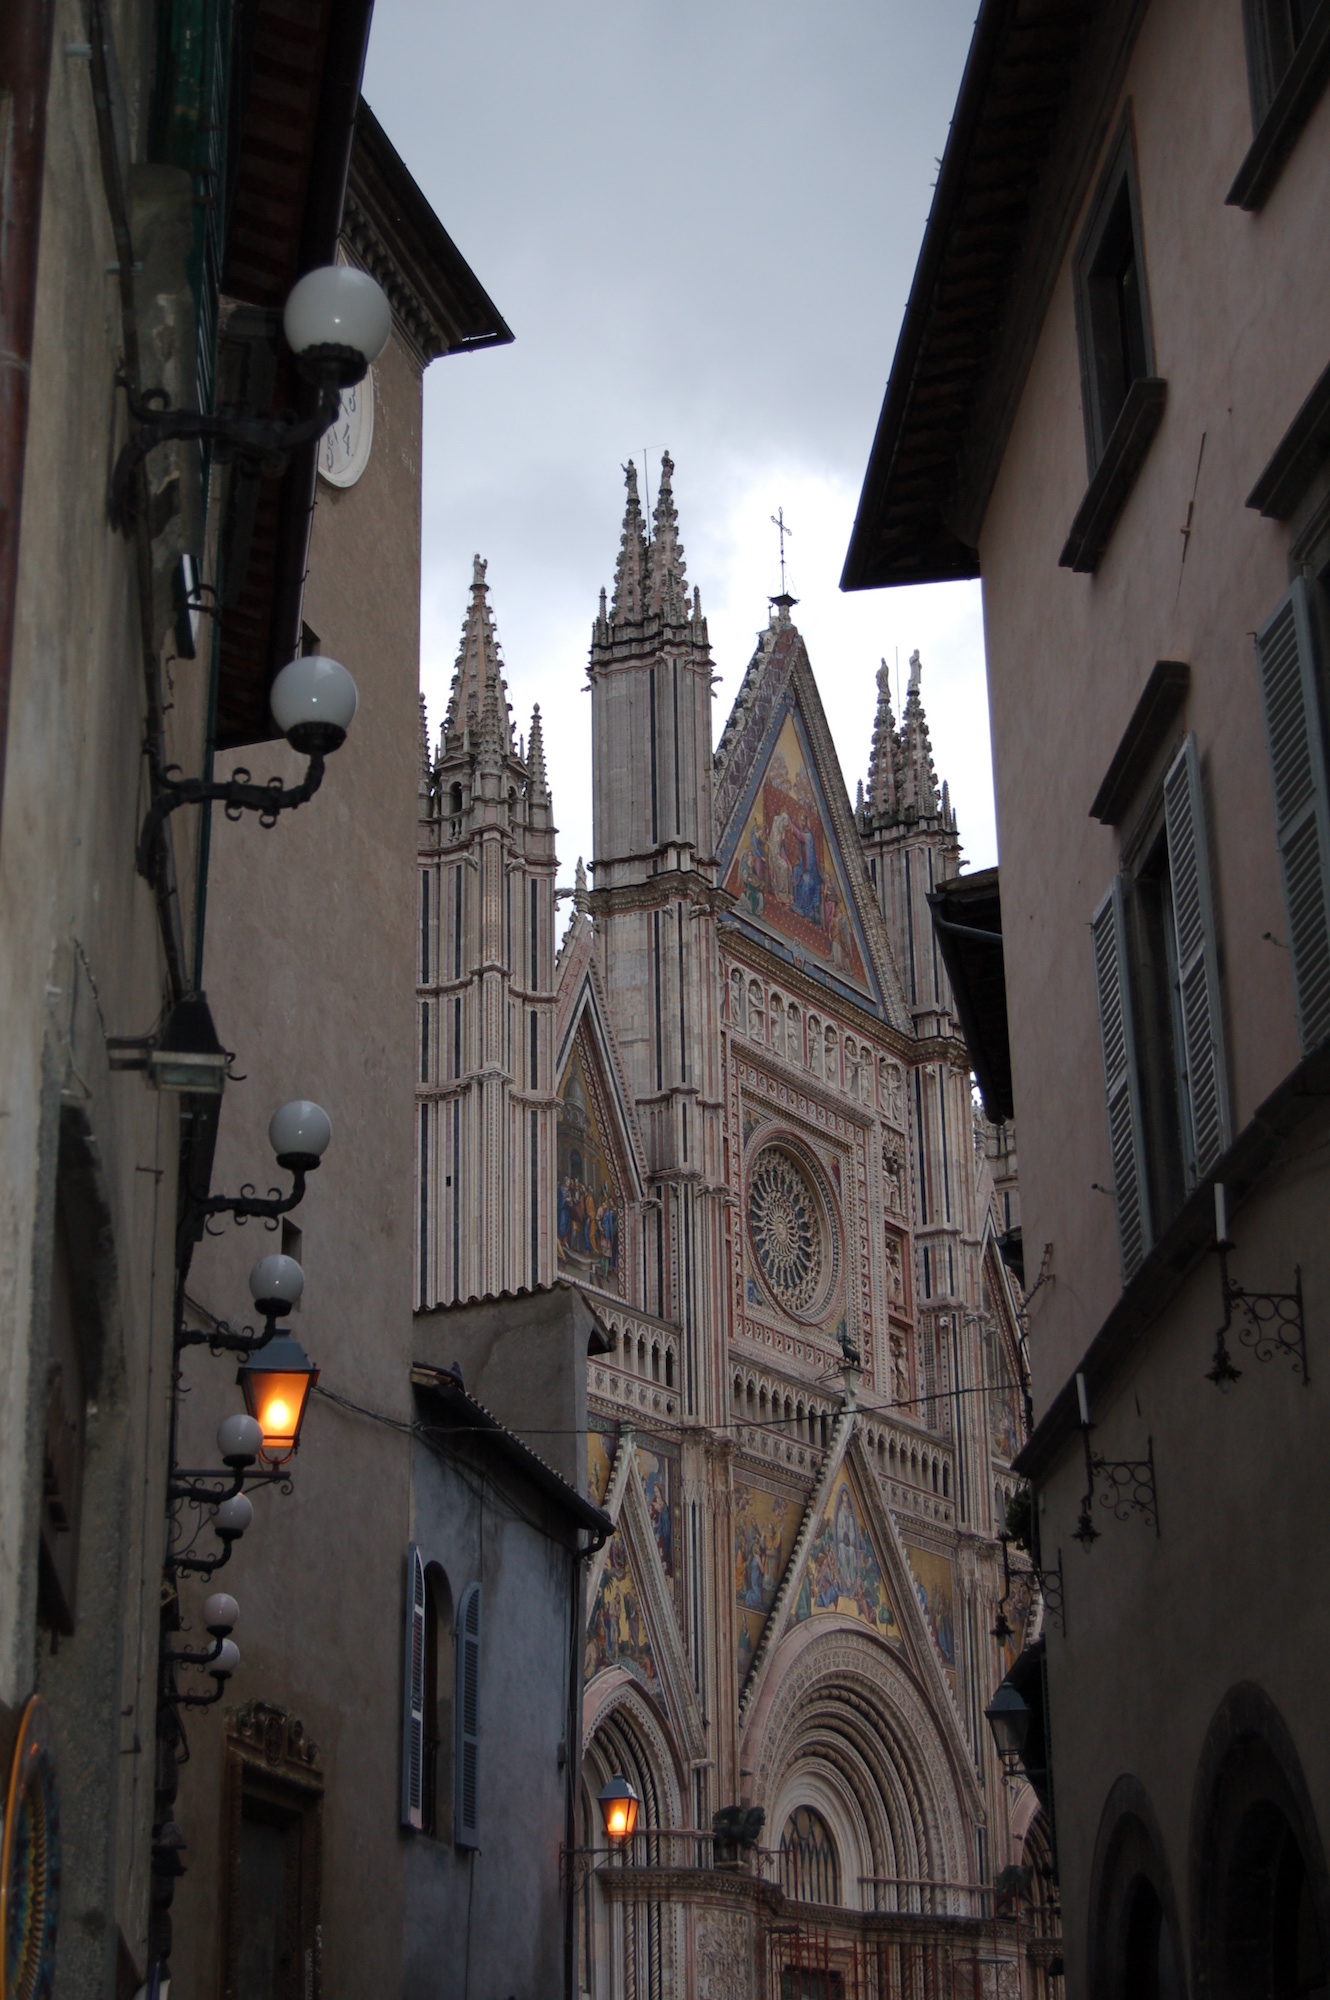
(261, 444)
(240, 1207)
(209, 1489)
(1128, 1488)
(223, 1338)
(1048, 1582)
(1272, 1323)
(237, 793)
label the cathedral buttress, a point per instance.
(910, 843)
(654, 905)
(486, 1105)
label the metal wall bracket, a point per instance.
(1271, 1324)
(1048, 1582)
(1128, 1488)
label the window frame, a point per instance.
(1120, 166)
(1161, 1018)
(274, 1769)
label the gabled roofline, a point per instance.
(1039, 85)
(469, 1416)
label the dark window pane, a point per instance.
(263, 1959)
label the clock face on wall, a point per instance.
(344, 446)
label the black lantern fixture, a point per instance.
(276, 1385)
(618, 1808)
(189, 1056)
(184, 1054)
(1008, 1716)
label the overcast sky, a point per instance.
(701, 222)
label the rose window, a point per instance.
(790, 1231)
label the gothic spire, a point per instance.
(424, 740)
(479, 695)
(918, 779)
(630, 572)
(666, 584)
(536, 785)
(882, 757)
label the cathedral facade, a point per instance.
(734, 1108)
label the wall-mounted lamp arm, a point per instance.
(237, 793)
(222, 1338)
(213, 1489)
(262, 444)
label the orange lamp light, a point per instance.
(276, 1385)
(618, 1807)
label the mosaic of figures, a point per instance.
(765, 1527)
(658, 1465)
(935, 1587)
(842, 1574)
(590, 1201)
(617, 1635)
(658, 1468)
(786, 871)
(1004, 1425)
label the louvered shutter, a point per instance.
(1295, 739)
(466, 1811)
(1200, 1024)
(413, 1693)
(1121, 1088)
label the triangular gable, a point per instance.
(633, 1622)
(847, 1468)
(599, 1165)
(842, 1573)
(766, 1524)
(789, 852)
(582, 1010)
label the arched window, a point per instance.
(1134, 1941)
(808, 1868)
(1264, 1894)
(455, 800)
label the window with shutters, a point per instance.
(413, 1694)
(1275, 30)
(1293, 701)
(437, 1761)
(429, 1699)
(466, 1774)
(1157, 979)
(1112, 311)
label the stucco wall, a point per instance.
(524, 1359)
(491, 1921)
(80, 960)
(310, 973)
(1159, 1628)
(1239, 310)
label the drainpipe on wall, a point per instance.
(26, 31)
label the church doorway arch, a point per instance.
(629, 1940)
